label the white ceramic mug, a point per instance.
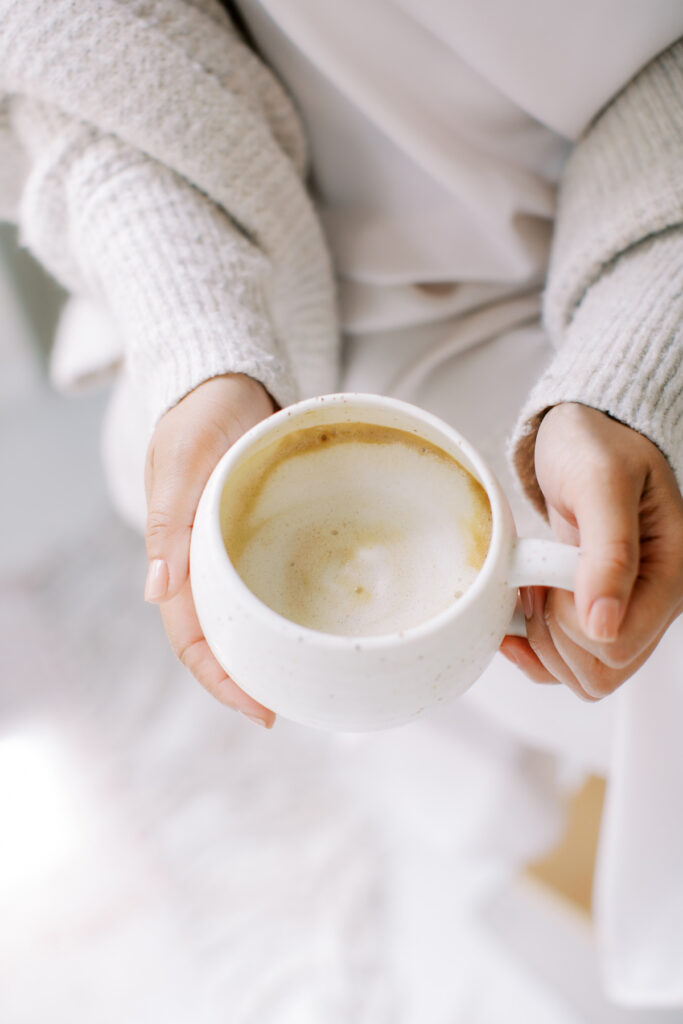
(370, 682)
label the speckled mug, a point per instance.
(370, 682)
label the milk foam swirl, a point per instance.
(355, 529)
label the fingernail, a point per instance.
(604, 618)
(256, 719)
(156, 584)
(527, 602)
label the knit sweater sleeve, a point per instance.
(163, 176)
(614, 297)
(184, 289)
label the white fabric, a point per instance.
(431, 178)
(493, 245)
(480, 391)
(164, 859)
(639, 890)
(633, 738)
(436, 145)
(559, 62)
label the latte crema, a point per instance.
(355, 529)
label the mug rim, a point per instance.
(275, 620)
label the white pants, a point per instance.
(632, 738)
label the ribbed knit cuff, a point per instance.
(622, 354)
(613, 303)
(622, 184)
(178, 87)
(188, 291)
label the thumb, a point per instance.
(607, 517)
(188, 442)
(175, 477)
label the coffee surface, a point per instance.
(355, 529)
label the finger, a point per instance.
(188, 442)
(177, 473)
(595, 678)
(565, 532)
(648, 616)
(607, 518)
(518, 651)
(190, 646)
(543, 646)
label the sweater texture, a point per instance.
(159, 170)
(163, 174)
(613, 302)
(181, 207)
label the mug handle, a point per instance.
(540, 563)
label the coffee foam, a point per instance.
(355, 529)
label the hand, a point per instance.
(188, 442)
(612, 492)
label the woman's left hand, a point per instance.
(609, 490)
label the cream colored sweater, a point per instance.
(154, 164)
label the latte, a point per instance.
(355, 529)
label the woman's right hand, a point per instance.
(186, 445)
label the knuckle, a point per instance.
(620, 555)
(189, 653)
(150, 465)
(597, 686)
(617, 475)
(195, 656)
(616, 656)
(600, 680)
(158, 524)
(174, 452)
(550, 617)
(179, 453)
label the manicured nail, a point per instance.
(256, 719)
(527, 602)
(604, 618)
(156, 584)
